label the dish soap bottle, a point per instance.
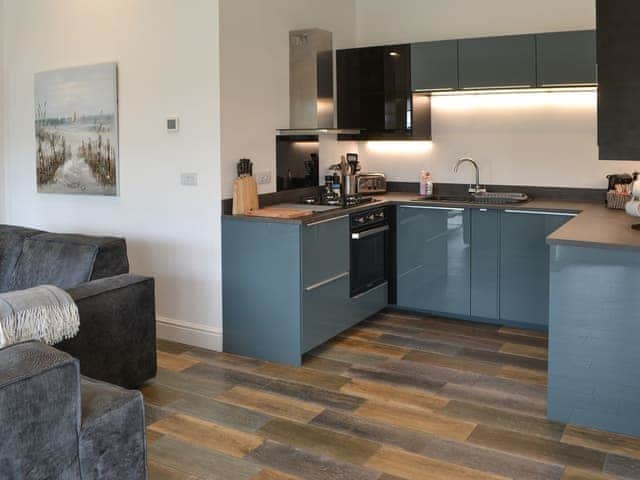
(426, 184)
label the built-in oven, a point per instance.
(370, 250)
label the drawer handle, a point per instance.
(368, 233)
(327, 221)
(326, 282)
(450, 209)
(536, 212)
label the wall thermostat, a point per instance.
(173, 124)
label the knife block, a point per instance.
(245, 195)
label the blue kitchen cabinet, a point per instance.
(594, 334)
(566, 58)
(433, 255)
(326, 305)
(524, 265)
(261, 289)
(497, 62)
(485, 263)
(434, 65)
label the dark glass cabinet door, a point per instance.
(524, 265)
(434, 66)
(485, 261)
(374, 90)
(498, 62)
(566, 58)
(434, 259)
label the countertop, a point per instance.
(593, 226)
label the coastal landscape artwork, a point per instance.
(76, 125)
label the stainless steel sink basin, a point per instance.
(500, 198)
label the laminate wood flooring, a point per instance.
(400, 396)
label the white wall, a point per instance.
(398, 21)
(167, 54)
(520, 139)
(254, 60)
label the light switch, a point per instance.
(189, 179)
(264, 177)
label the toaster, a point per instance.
(371, 183)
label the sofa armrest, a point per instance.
(39, 412)
(117, 338)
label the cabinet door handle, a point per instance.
(536, 212)
(326, 221)
(368, 233)
(450, 209)
(326, 282)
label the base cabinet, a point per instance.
(524, 265)
(287, 287)
(434, 259)
(476, 263)
(485, 263)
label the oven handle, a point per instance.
(368, 233)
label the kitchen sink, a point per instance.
(500, 198)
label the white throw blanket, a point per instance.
(44, 313)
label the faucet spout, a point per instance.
(472, 188)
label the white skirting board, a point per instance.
(202, 336)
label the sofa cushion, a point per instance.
(67, 260)
(112, 433)
(39, 413)
(11, 240)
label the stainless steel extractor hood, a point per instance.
(311, 109)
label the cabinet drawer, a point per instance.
(325, 250)
(326, 311)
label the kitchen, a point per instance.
(559, 261)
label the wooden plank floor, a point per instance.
(398, 397)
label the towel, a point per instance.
(46, 313)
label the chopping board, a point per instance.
(275, 212)
(245, 195)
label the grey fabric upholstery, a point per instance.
(112, 437)
(116, 342)
(117, 338)
(67, 260)
(54, 425)
(39, 413)
(11, 241)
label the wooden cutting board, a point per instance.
(275, 212)
(245, 195)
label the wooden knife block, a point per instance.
(245, 195)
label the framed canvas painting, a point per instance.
(76, 125)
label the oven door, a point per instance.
(369, 262)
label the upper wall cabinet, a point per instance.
(498, 62)
(374, 94)
(566, 58)
(434, 66)
(618, 79)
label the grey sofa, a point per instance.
(55, 424)
(117, 338)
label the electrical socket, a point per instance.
(264, 177)
(189, 179)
